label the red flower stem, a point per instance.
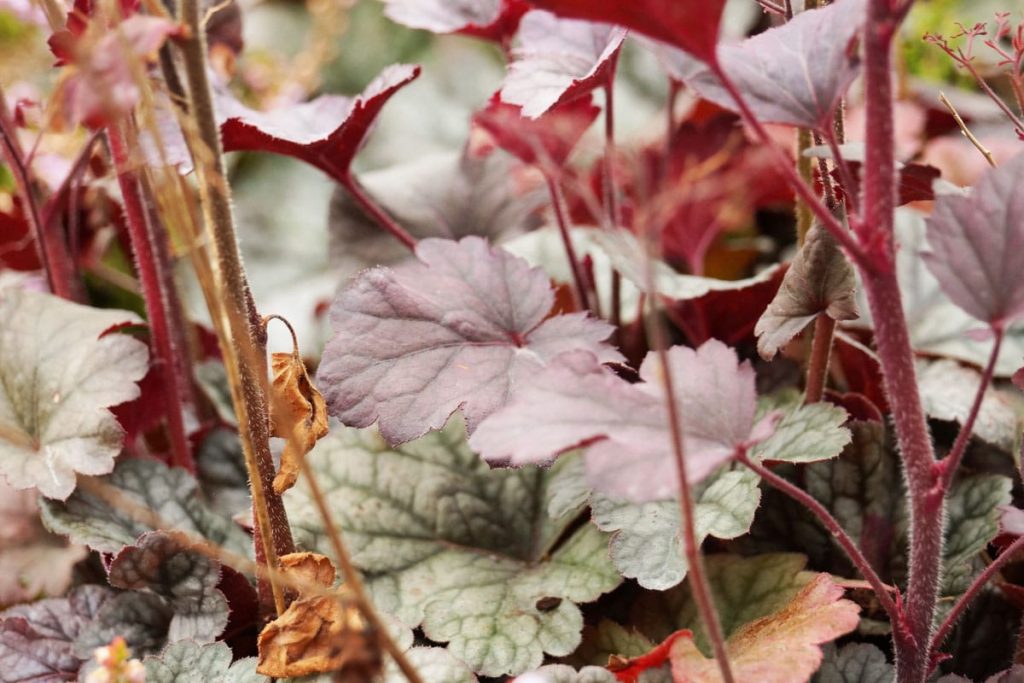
(926, 496)
(853, 551)
(699, 586)
(370, 206)
(51, 247)
(785, 165)
(821, 349)
(972, 592)
(579, 282)
(951, 463)
(153, 267)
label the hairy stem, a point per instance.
(805, 167)
(853, 551)
(239, 329)
(951, 463)
(375, 211)
(578, 279)
(972, 592)
(821, 349)
(153, 266)
(894, 351)
(354, 581)
(51, 247)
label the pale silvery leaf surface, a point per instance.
(171, 493)
(434, 664)
(973, 515)
(937, 325)
(948, 390)
(646, 542)
(457, 329)
(577, 401)
(805, 433)
(465, 552)
(557, 60)
(793, 74)
(561, 673)
(855, 663)
(190, 662)
(60, 377)
(976, 245)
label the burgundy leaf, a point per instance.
(796, 73)
(559, 60)
(545, 140)
(460, 328)
(576, 401)
(326, 132)
(916, 181)
(977, 245)
(691, 25)
(820, 280)
(495, 20)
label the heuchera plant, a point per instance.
(731, 400)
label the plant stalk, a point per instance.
(579, 281)
(239, 327)
(153, 267)
(821, 349)
(370, 206)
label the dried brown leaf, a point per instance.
(820, 280)
(318, 634)
(298, 413)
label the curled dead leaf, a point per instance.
(298, 414)
(318, 634)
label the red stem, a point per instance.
(845, 175)
(611, 203)
(853, 551)
(951, 463)
(52, 248)
(154, 271)
(579, 282)
(894, 351)
(370, 206)
(972, 592)
(821, 349)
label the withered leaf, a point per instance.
(298, 413)
(318, 633)
(820, 280)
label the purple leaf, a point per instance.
(458, 329)
(820, 280)
(794, 74)
(977, 245)
(37, 641)
(495, 20)
(547, 140)
(326, 132)
(559, 60)
(576, 401)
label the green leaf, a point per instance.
(855, 663)
(972, 522)
(189, 662)
(220, 469)
(646, 539)
(171, 493)
(806, 433)
(466, 552)
(58, 379)
(744, 589)
(158, 562)
(606, 639)
(434, 664)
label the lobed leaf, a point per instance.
(559, 60)
(459, 329)
(819, 281)
(855, 663)
(169, 492)
(561, 673)
(806, 433)
(947, 392)
(973, 513)
(577, 401)
(61, 372)
(190, 662)
(326, 132)
(490, 19)
(646, 542)
(691, 25)
(977, 246)
(465, 552)
(434, 664)
(545, 141)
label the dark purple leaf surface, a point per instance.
(326, 132)
(977, 245)
(576, 402)
(547, 140)
(460, 328)
(559, 60)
